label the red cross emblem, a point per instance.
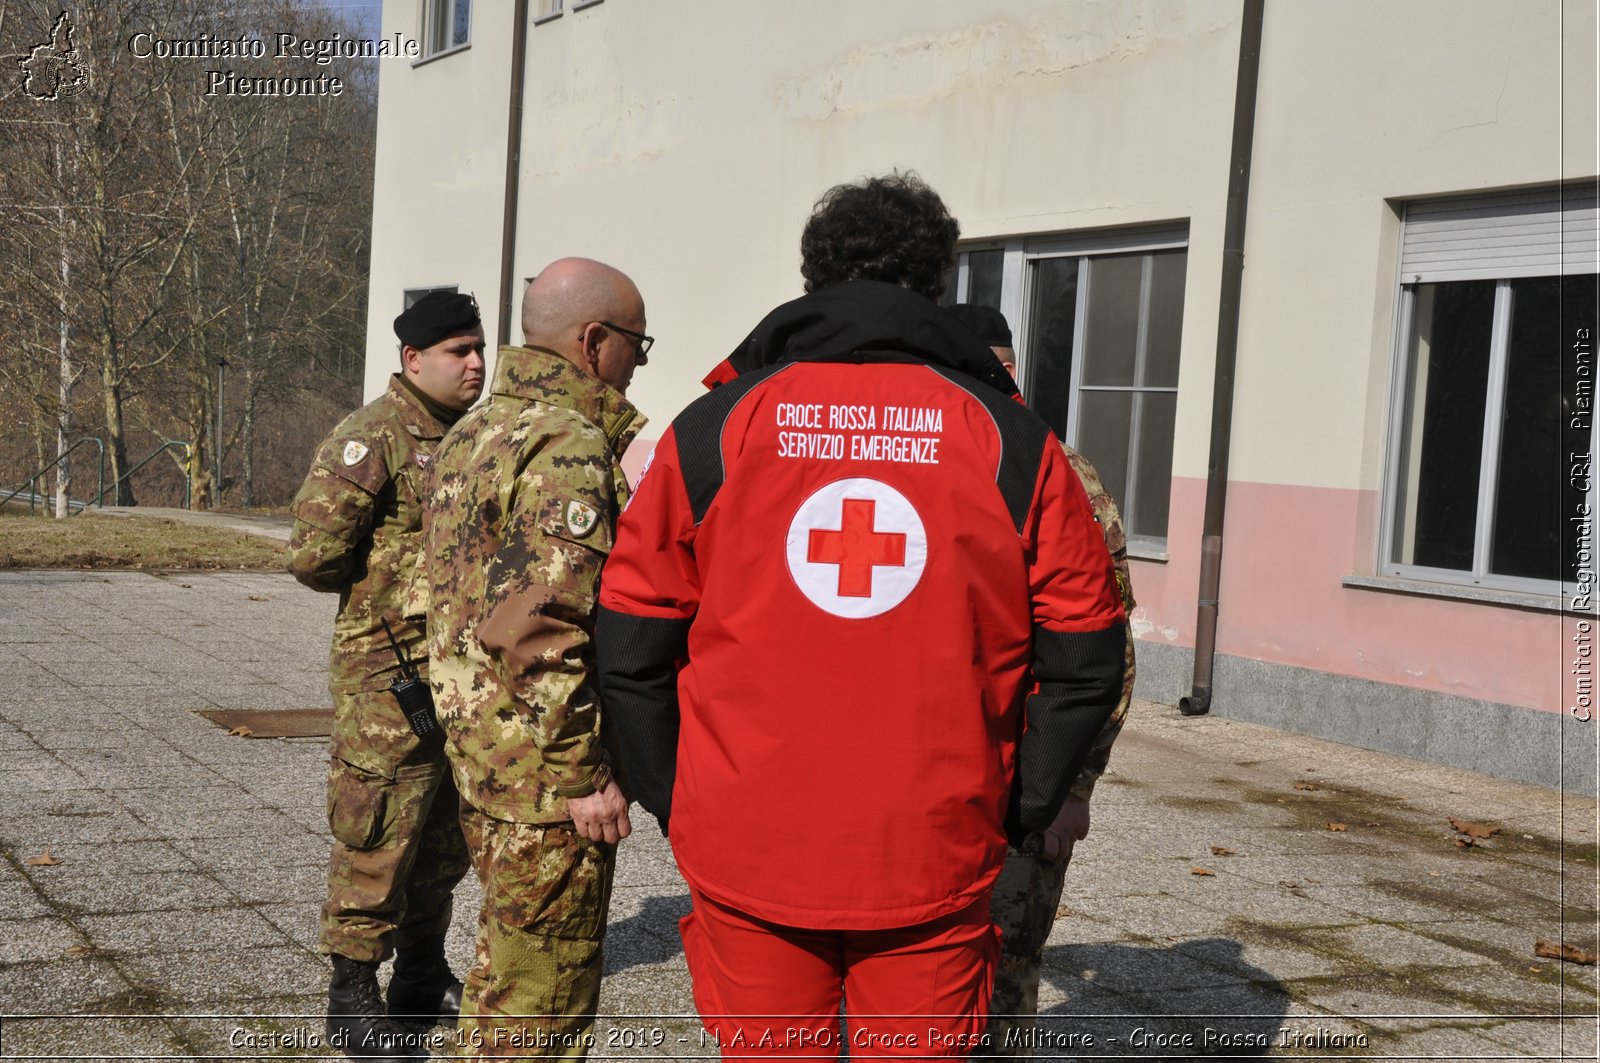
(855, 548)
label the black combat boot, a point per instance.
(423, 990)
(358, 1025)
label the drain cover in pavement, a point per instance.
(274, 723)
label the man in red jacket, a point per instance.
(816, 636)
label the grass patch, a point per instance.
(93, 542)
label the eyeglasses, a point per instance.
(641, 341)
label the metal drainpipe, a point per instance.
(1198, 703)
(508, 231)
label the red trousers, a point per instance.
(767, 991)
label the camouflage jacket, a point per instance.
(358, 532)
(526, 494)
(1105, 512)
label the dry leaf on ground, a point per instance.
(1570, 953)
(259, 598)
(1464, 842)
(1306, 786)
(1473, 830)
(241, 732)
(1338, 827)
(1200, 871)
(1220, 850)
(44, 859)
(79, 950)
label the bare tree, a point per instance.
(149, 233)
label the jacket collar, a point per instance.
(867, 320)
(438, 411)
(421, 422)
(538, 374)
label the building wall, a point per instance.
(439, 177)
(686, 142)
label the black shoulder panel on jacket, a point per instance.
(699, 434)
(1022, 442)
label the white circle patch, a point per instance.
(857, 548)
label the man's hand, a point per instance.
(1071, 825)
(603, 815)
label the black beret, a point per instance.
(435, 316)
(986, 321)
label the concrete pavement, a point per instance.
(1244, 891)
(264, 524)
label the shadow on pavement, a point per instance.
(1148, 1001)
(649, 936)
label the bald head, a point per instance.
(584, 310)
(570, 293)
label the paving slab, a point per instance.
(182, 920)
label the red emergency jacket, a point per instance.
(819, 617)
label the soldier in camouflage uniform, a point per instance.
(398, 850)
(1028, 891)
(526, 494)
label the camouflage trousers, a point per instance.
(397, 853)
(535, 985)
(1023, 906)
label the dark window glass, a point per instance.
(438, 25)
(1104, 420)
(413, 294)
(463, 17)
(1164, 334)
(1446, 394)
(1157, 414)
(1111, 325)
(984, 269)
(1052, 318)
(1534, 490)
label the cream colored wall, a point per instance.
(440, 176)
(1363, 104)
(685, 142)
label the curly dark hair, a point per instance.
(892, 228)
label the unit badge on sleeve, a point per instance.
(581, 518)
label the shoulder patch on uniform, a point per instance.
(354, 451)
(581, 518)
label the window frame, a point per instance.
(409, 296)
(1016, 293)
(426, 8)
(1399, 424)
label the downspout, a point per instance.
(508, 231)
(1198, 703)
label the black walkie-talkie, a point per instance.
(415, 699)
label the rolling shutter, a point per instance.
(1540, 233)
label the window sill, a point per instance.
(1539, 603)
(581, 4)
(425, 60)
(1154, 554)
(551, 17)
